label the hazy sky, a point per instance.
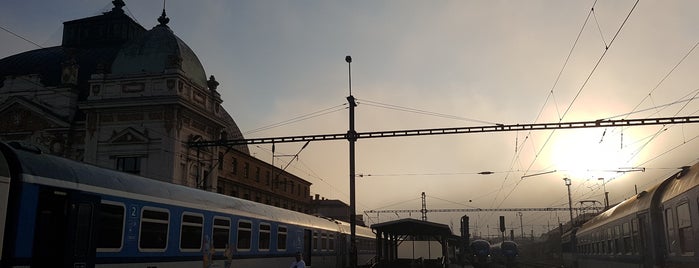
(431, 64)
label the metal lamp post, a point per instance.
(606, 194)
(570, 201)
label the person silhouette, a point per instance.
(298, 263)
(228, 253)
(208, 252)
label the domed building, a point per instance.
(119, 96)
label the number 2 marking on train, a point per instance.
(133, 211)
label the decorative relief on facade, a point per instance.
(133, 87)
(130, 117)
(170, 84)
(158, 86)
(199, 98)
(69, 72)
(96, 89)
(16, 119)
(198, 125)
(49, 142)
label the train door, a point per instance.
(307, 246)
(4, 199)
(645, 248)
(64, 230)
(341, 250)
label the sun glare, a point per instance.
(585, 154)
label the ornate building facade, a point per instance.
(116, 95)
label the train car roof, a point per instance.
(627, 207)
(33, 165)
(359, 231)
(673, 186)
(682, 182)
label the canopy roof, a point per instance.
(413, 227)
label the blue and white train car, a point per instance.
(61, 213)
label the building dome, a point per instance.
(156, 51)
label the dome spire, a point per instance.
(118, 4)
(163, 19)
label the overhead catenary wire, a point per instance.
(549, 95)
(582, 87)
(299, 118)
(574, 99)
(419, 111)
(20, 37)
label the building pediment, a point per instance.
(18, 114)
(127, 136)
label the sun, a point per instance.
(589, 153)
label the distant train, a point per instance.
(480, 253)
(56, 212)
(658, 227)
(505, 253)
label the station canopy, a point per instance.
(413, 227)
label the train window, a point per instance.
(684, 228)
(315, 241)
(323, 241)
(617, 240)
(636, 236)
(626, 237)
(265, 238)
(331, 242)
(244, 235)
(222, 231)
(191, 232)
(154, 229)
(609, 248)
(281, 238)
(110, 226)
(670, 225)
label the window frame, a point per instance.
(218, 226)
(238, 233)
(157, 221)
(281, 233)
(267, 231)
(315, 241)
(194, 225)
(123, 224)
(669, 215)
(686, 248)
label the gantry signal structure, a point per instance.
(455, 130)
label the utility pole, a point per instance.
(521, 227)
(570, 201)
(606, 194)
(424, 207)
(352, 138)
